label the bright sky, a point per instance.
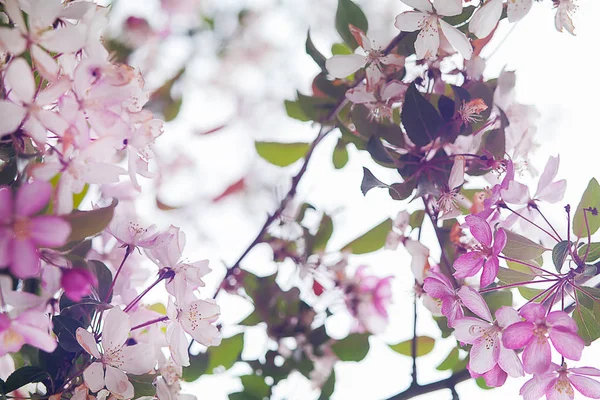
(555, 72)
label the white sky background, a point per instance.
(556, 72)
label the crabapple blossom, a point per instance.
(77, 282)
(564, 15)
(484, 255)
(558, 383)
(449, 199)
(533, 334)
(485, 334)
(428, 19)
(341, 66)
(29, 327)
(379, 101)
(438, 286)
(116, 356)
(22, 232)
(487, 17)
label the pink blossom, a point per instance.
(77, 282)
(29, 327)
(534, 332)
(449, 199)
(485, 335)
(439, 286)
(379, 100)
(558, 384)
(484, 255)
(22, 233)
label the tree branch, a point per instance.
(449, 383)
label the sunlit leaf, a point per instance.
(348, 13)
(521, 248)
(352, 348)
(372, 240)
(590, 198)
(281, 154)
(425, 345)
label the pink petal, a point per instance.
(535, 388)
(484, 353)
(428, 40)
(517, 193)
(437, 288)
(591, 371)
(11, 116)
(25, 259)
(474, 302)
(510, 362)
(517, 335)
(64, 40)
(490, 271)
(537, 355)
(20, 78)
(495, 377)
(340, 66)
(36, 337)
(94, 376)
(116, 329)
(480, 229)
(118, 383)
(560, 389)
(48, 231)
(499, 241)
(12, 41)
(452, 310)
(178, 344)
(507, 316)
(88, 342)
(567, 343)
(457, 174)
(561, 319)
(554, 192)
(550, 171)
(533, 312)
(586, 386)
(6, 237)
(360, 95)
(469, 329)
(16, 15)
(32, 198)
(45, 64)
(468, 264)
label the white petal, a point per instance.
(549, 174)
(11, 116)
(20, 78)
(474, 302)
(428, 40)
(178, 344)
(138, 359)
(69, 39)
(117, 383)
(340, 66)
(423, 5)
(448, 8)
(45, 65)
(116, 329)
(517, 9)
(360, 95)
(554, 192)
(87, 341)
(411, 21)
(12, 41)
(457, 174)
(94, 376)
(14, 12)
(457, 39)
(486, 18)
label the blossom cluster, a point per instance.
(73, 279)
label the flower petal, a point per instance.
(423, 5)
(48, 231)
(517, 9)
(69, 39)
(448, 8)
(490, 271)
(517, 335)
(499, 241)
(533, 312)
(591, 371)
(567, 343)
(468, 264)
(537, 355)
(25, 259)
(554, 192)
(178, 344)
(12, 41)
(457, 39)
(11, 116)
(436, 287)
(116, 329)
(586, 386)
(486, 18)
(118, 383)
(138, 359)
(495, 377)
(507, 316)
(469, 329)
(87, 341)
(480, 229)
(510, 362)
(474, 302)
(36, 336)
(484, 353)
(561, 319)
(94, 376)
(32, 198)
(340, 66)
(428, 40)
(411, 21)
(20, 78)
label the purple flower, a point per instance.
(534, 332)
(484, 255)
(22, 233)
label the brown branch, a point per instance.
(449, 383)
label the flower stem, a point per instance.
(153, 321)
(161, 276)
(128, 251)
(529, 265)
(531, 222)
(517, 284)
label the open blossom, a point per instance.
(379, 101)
(129, 232)
(340, 66)
(188, 275)
(486, 18)
(448, 201)
(558, 383)
(485, 334)
(22, 233)
(368, 299)
(29, 327)
(438, 286)
(195, 318)
(564, 15)
(482, 256)
(432, 26)
(534, 332)
(116, 357)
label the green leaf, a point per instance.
(510, 276)
(497, 299)
(255, 385)
(281, 154)
(348, 13)
(323, 234)
(368, 128)
(352, 348)
(372, 240)
(420, 118)
(590, 198)
(521, 248)
(462, 17)
(442, 323)
(197, 367)
(104, 277)
(226, 354)
(142, 385)
(559, 254)
(425, 345)
(481, 383)
(23, 376)
(328, 387)
(588, 326)
(65, 328)
(315, 54)
(593, 254)
(86, 224)
(293, 110)
(450, 361)
(530, 293)
(379, 153)
(172, 109)
(340, 49)
(340, 155)
(416, 219)
(316, 108)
